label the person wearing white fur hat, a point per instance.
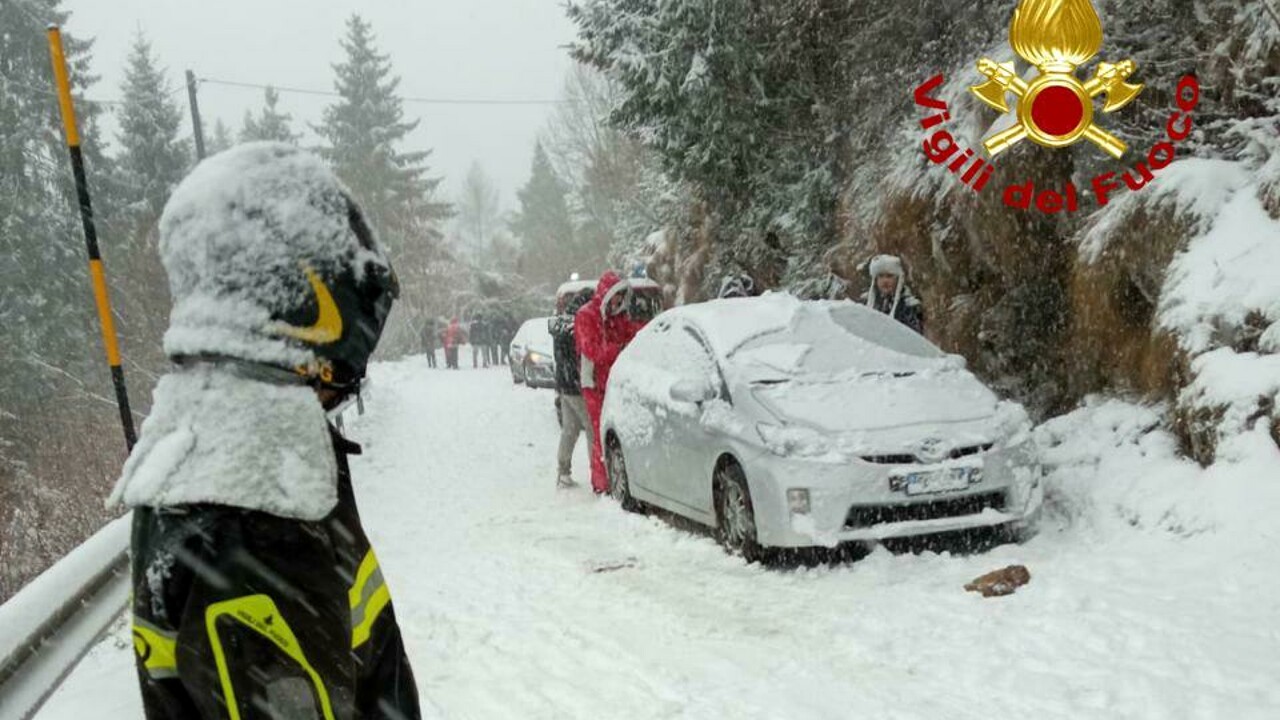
(889, 293)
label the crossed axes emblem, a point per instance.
(1056, 108)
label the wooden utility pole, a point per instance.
(196, 125)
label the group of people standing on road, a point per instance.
(595, 327)
(589, 336)
(490, 340)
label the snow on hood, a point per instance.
(215, 437)
(881, 401)
(233, 239)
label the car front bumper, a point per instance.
(855, 502)
(540, 376)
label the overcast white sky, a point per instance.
(489, 49)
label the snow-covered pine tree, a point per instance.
(154, 157)
(270, 124)
(364, 132)
(747, 103)
(549, 251)
(479, 217)
(220, 139)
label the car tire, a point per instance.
(526, 376)
(735, 514)
(619, 483)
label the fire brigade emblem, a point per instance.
(1056, 109)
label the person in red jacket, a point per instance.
(604, 327)
(452, 336)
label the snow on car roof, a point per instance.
(576, 286)
(731, 324)
(727, 324)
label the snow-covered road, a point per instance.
(518, 601)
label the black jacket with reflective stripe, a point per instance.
(239, 613)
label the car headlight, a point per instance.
(537, 358)
(798, 501)
(793, 441)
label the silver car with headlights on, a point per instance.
(533, 360)
(783, 423)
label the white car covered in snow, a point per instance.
(533, 357)
(784, 423)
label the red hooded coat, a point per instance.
(601, 338)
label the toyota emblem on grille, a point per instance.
(932, 450)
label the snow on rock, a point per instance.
(1112, 463)
(216, 437)
(1238, 383)
(1227, 273)
(233, 238)
(1196, 189)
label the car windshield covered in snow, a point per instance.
(832, 341)
(534, 336)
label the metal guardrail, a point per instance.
(46, 652)
(35, 668)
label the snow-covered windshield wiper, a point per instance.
(888, 373)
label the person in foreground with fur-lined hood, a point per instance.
(890, 295)
(256, 593)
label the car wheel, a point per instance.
(619, 483)
(735, 515)
(526, 376)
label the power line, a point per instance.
(423, 100)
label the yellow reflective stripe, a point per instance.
(259, 613)
(378, 601)
(156, 649)
(367, 566)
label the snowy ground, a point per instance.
(496, 579)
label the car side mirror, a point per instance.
(692, 391)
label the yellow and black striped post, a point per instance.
(96, 273)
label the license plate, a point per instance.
(939, 481)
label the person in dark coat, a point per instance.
(574, 420)
(255, 591)
(429, 335)
(890, 295)
(478, 333)
(509, 329)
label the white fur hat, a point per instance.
(886, 265)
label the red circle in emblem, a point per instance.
(1057, 111)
